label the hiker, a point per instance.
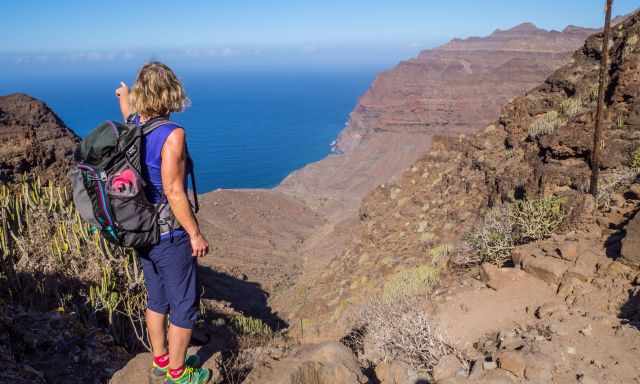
(170, 266)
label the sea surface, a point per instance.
(245, 129)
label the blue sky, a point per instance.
(261, 27)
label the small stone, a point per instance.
(571, 350)
(489, 365)
(588, 331)
(549, 309)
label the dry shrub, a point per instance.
(492, 241)
(399, 329)
(237, 366)
(612, 180)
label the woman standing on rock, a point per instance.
(170, 266)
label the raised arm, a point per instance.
(173, 171)
(122, 93)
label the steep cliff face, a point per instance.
(538, 147)
(456, 88)
(32, 138)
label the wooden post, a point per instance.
(598, 142)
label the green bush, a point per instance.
(535, 219)
(635, 159)
(546, 124)
(502, 228)
(571, 106)
(246, 325)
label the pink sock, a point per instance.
(176, 373)
(161, 361)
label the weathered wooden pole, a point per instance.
(598, 142)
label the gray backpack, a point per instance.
(108, 189)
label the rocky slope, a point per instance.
(32, 138)
(456, 88)
(568, 312)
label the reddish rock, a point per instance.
(33, 138)
(568, 250)
(548, 269)
(585, 267)
(498, 278)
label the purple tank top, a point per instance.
(152, 153)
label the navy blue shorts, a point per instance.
(171, 281)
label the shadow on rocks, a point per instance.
(231, 294)
(243, 296)
(47, 338)
(630, 310)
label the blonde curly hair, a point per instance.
(157, 91)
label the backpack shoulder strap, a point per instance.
(154, 123)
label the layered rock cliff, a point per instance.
(456, 88)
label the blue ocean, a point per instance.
(245, 129)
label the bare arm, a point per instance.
(173, 171)
(122, 93)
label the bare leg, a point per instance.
(157, 325)
(179, 339)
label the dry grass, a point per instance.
(411, 282)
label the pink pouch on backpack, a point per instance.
(124, 183)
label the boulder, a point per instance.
(631, 242)
(498, 278)
(137, 370)
(325, 363)
(547, 269)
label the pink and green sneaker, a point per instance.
(161, 373)
(190, 375)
